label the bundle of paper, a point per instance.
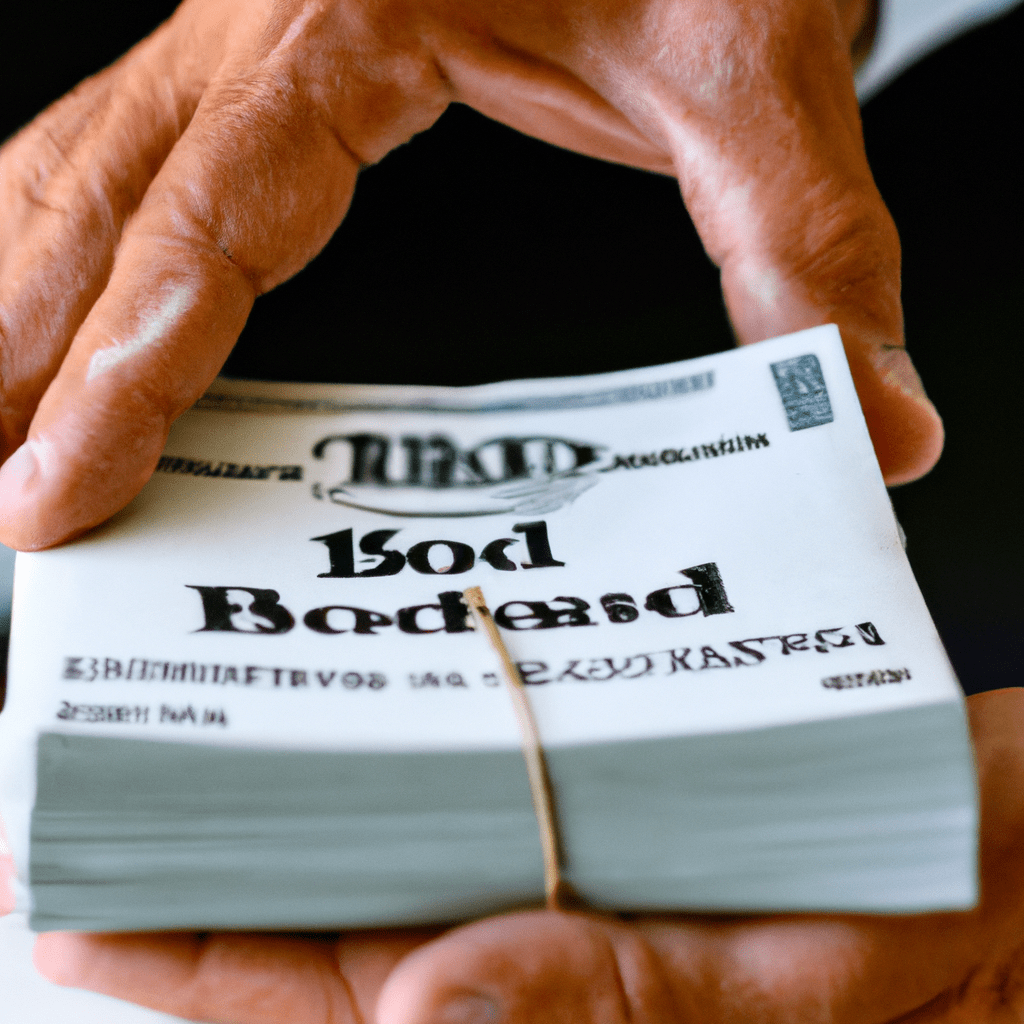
(254, 700)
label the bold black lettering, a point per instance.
(462, 557)
(678, 660)
(711, 591)
(529, 669)
(407, 619)
(441, 456)
(494, 554)
(543, 615)
(741, 645)
(537, 545)
(219, 610)
(413, 461)
(613, 670)
(531, 456)
(661, 601)
(794, 642)
(373, 544)
(364, 621)
(824, 643)
(711, 656)
(620, 608)
(511, 459)
(869, 634)
(339, 550)
(369, 456)
(645, 671)
(538, 612)
(454, 611)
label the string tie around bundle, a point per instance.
(557, 891)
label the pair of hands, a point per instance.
(142, 215)
(580, 968)
(144, 212)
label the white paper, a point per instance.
(637, 476)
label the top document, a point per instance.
(683, 549)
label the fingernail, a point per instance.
(468, 1008)
(897, 370)
(21, 482)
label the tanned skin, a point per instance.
(142, 214)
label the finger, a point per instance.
(68, 183)
(253, 189)
(756, 104)
(786, 205)
(586, 970)
(231, 978)
(593, 970)
(534, 966)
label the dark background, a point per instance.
(476, 254)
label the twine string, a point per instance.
(555, 888)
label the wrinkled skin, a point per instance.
(144, 212)
(550, 968)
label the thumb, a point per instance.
(772, 167)
(536, 966)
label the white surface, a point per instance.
(27, 998)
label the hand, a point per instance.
(542, 966)
(145, 211)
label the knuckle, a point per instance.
(851, 236)
(639, 981)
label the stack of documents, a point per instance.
(253, 699)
